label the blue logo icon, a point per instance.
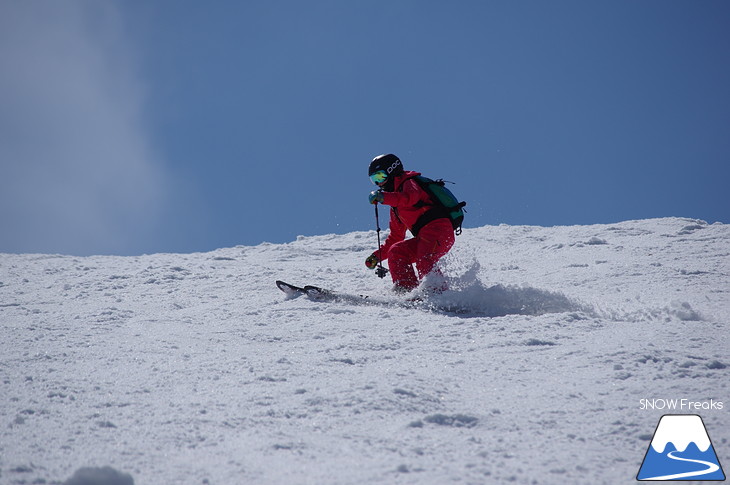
(681, 450)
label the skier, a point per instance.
(411, 209)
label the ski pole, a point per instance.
(380, 271)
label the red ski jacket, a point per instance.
(403, 213)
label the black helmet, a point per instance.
(384, 168)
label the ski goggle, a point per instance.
(379, 177)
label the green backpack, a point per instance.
(445, 204)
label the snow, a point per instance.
(196, 369)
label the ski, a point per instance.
(290, 290)
(322, 294)
(317, 293)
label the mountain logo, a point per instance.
(680, 450)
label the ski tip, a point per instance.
(288, 288)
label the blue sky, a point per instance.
(131, 127)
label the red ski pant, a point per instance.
(432, 242)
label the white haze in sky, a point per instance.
(77, 173)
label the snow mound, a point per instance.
(469, 296)
(99, 476)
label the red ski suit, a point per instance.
(408, 203)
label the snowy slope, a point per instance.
(194, 368)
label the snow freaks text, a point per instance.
(683, 405)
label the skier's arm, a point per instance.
(407, 197)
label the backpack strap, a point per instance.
(436, 212)
(428, 216)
